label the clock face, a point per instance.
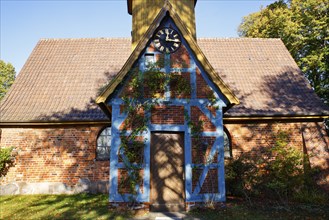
(167, 40)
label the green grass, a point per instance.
(85, 206)
(235, 209)
(79, 206)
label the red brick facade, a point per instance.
(167, 115)
(308, 137)
(59, 154)
(67, 154)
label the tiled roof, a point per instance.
(263, 75)
(62, 78)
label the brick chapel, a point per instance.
(154, 117)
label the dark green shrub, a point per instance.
(315, 196)
(240, 176)
(6, 160)
(278, 172)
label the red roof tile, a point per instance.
(264, 76)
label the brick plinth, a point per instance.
(128, 205)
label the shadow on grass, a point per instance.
(79, 206)
(261, 209)
(84, 206)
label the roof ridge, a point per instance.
(129, 38)
(237, 38)
(85, 38)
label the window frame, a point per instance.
(227, 153)
(105, 132)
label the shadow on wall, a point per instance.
(316, 147)
(286, 95)
(167, 160)
(254, 169)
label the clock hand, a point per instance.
(172, 40)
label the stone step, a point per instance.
(174, 207)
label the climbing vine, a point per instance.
(154, 83)
(202, 159)
(142, 93)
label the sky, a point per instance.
(23, 22)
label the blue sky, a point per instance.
(23, 23)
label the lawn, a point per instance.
(79, 206)
(238, 209)
(84, 206)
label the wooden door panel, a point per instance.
(167, 172)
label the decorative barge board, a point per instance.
(179, 93)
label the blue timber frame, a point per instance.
(118, 118)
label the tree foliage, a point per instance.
(7, 77)
(303, 26)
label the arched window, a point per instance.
(227, 144)
(104, 144)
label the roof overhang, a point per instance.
(54, 123)
(274, 118)
(226, 119)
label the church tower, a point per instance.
(144, 12)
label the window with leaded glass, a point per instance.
(104, 144)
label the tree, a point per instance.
(303, 26)
(7, 77)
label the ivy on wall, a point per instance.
(145, 89)
(141, 94)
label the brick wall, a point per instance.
(68, 154)
(167, 115)
(310, 138)
(251, 137)
(198, 116)
(317, 147)
(210, 184)
(201, 148)
(62, 154)
(203, 90)
(124, 182)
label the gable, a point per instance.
(167, 14)
(178, 75)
